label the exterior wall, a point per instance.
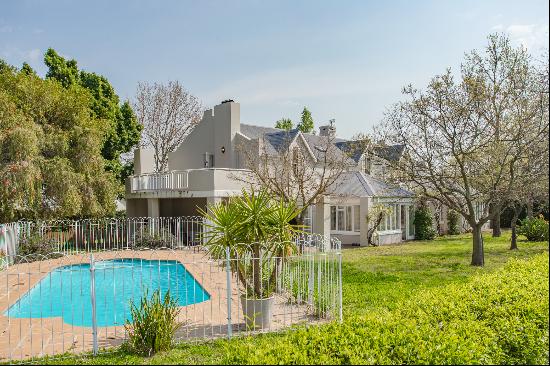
(167, 207)
(217, 129)
(172, 207)
(387, 238)
(144, 161)
(136, 207)
(348, 239)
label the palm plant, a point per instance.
(256, 228)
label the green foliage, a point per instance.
(36, 247)
(423, 224)
(376, 280)
(306, 123)
(453, 219)
(154, 323)
(162, 238)
(534, 229)
(497, 318)
(123, 131)
(50, 144)
(284, 124)
(248, 225)
(27, 69)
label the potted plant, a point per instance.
(256, 228)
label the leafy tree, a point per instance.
(284, 124)
(423, 224)
(27, 69)
(306, 122)
(123, 131)
(50, 144)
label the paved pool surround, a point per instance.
(24, 338)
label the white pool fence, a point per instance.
(77, 297)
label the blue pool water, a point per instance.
(65, 292)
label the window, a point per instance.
(366, 164)
(356, 218)
(332, 217)
(340, 218)
(345, 218)
(308, 219)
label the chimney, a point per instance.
(328, 130)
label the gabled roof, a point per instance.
(279, 139)
(390, 153)
(351, 148)
(360, 184)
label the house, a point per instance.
(205, 168)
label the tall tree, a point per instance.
(123, 130)
(306, 123)
(50, 144)
(462, 153)
(167, 112)
(284, 124)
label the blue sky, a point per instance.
(346, 60)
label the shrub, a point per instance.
(453, 219)
(423, 224)
(35, 247)
(153, 324)
(497, 318)
(534, 229)
(162, 238)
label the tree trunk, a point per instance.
(478, 256)
(514, 244)
(530, 207)
(496, 220)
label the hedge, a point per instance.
(499, 317)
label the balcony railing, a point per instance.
(174, 180)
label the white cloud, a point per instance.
(6, 29)
(531, 36)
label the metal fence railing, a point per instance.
(78, 300)
(87, 235)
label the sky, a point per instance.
(344, 60)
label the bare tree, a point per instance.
(168, 113)
(458, 152)
(297, 172)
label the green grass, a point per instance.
(378, 282)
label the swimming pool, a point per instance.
(65, 291)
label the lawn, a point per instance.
(383, 285)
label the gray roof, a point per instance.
(279, 139)
(359, 184)
(390, 153)
(255, 132)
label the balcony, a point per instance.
(174, 180)
(185, 183)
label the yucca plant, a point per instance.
(154, 323)
(256, 228)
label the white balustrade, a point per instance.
(160, 181)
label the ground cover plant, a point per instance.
(418, 302)
(153, 325)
